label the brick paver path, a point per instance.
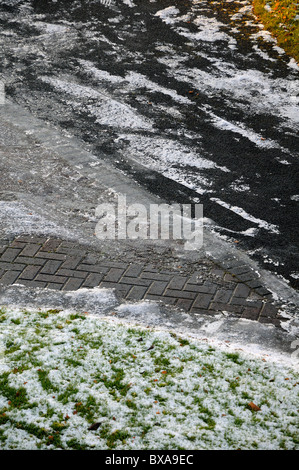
(232, 288)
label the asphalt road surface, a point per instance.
(193, 99)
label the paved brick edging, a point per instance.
(57, 264)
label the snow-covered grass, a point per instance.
(136, 387)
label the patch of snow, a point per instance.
(107, 110)
(168, 15)
(242, 213)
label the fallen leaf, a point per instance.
(253, 406)
(94, 426)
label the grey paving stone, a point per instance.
(72, 273)
(181, 294)
(157, 287)
(2, 249)
(73, 284)
(114, 264)
(93, 268)
(54, 286)
(52, 256)
(90, 258)
(51, 245)
(178, 282)
(249, 276)
(185, 304)
(121, 289)
(9, 277)
(254, 283)
(269, 310)
(223, 296)
(203, 301)
(155, 276)
(136, 281)
(71, 262)
(51, 267)
(242, 290)
(31, 239)
(30, 250)
(134, 270)
(14, 244)
(150, 268)
(202, 288)
(137, 293)
(51, 278)
(30, 272)
(250, 313)
(93, 280)
(196, 278)
(262, 291)
(30, 261)
(12, 266)
(114, 275)
(218, 272)
(229, 277)
(10, 254)
(240, 270)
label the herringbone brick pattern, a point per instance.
(232, 288)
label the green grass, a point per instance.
(77, 371)
(279, 17)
